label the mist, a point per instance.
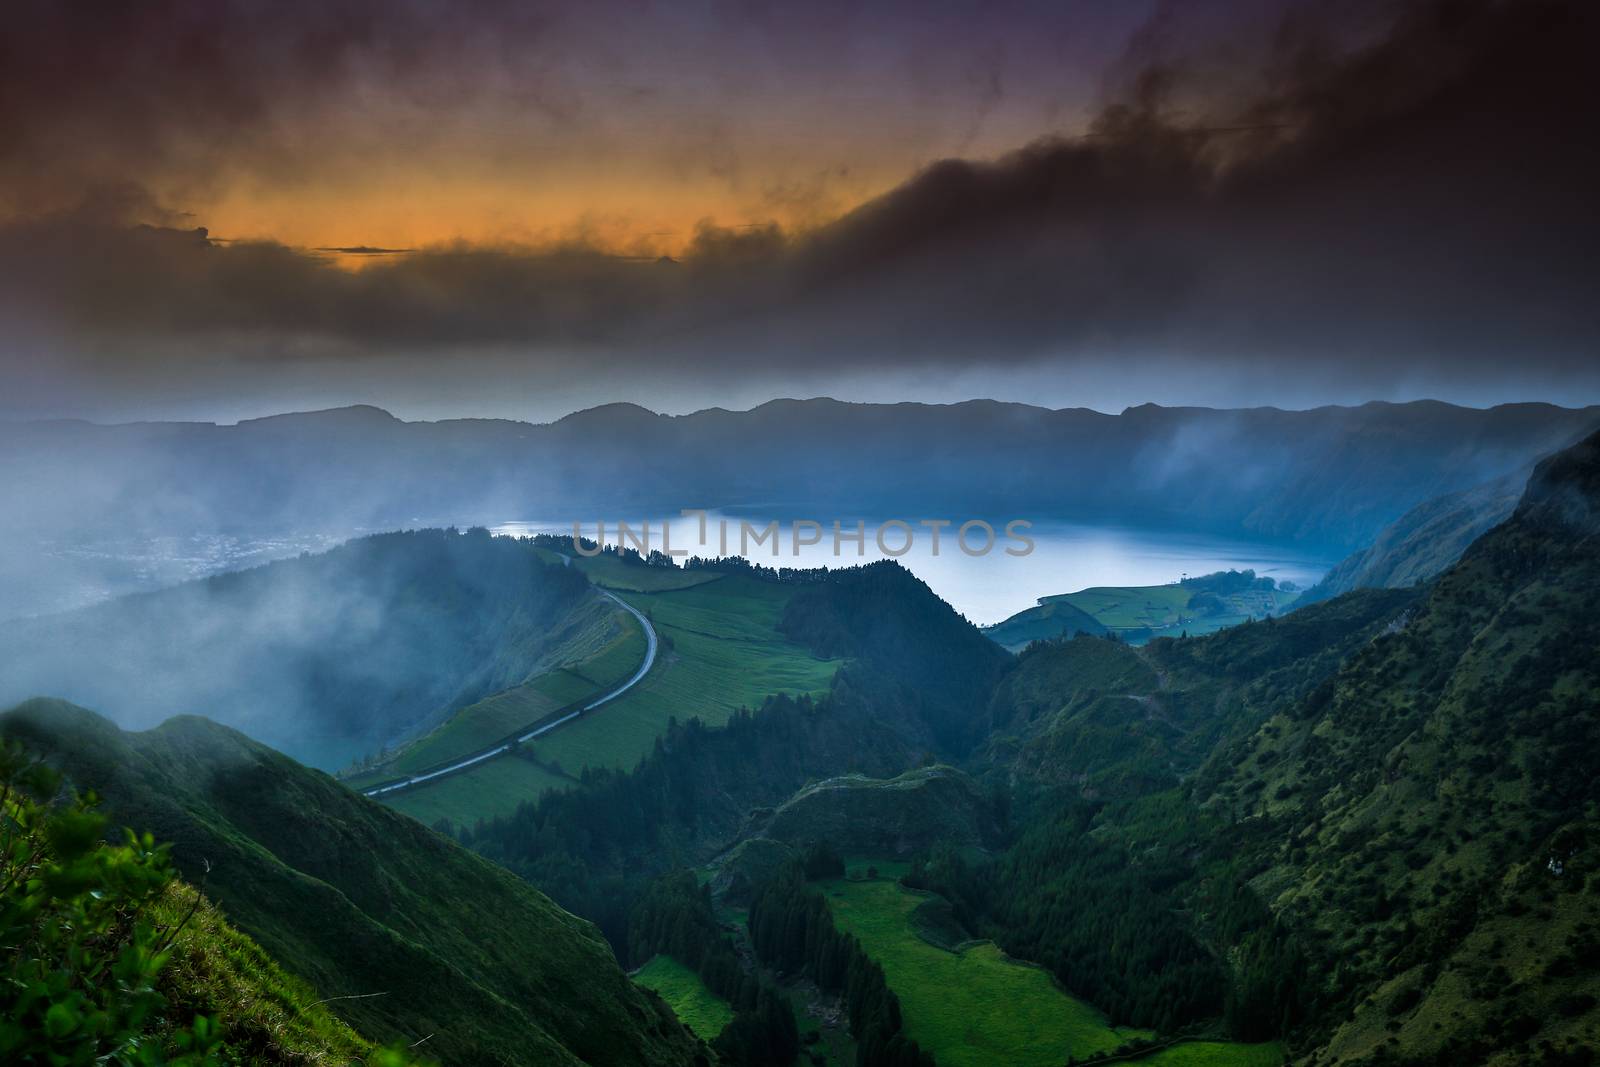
(329, 658)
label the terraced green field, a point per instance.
(976, 1007)
(696, 1006)
(721, 650)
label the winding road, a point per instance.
(506, 746)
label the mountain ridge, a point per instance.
(348, 895)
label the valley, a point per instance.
(1318, 834)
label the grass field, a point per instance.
(972, 1008)
(978, 1006)
(721, 650)
(494, 787)
(1165, 608)
(696, 1006)
(598, 659)
(1216, 1054)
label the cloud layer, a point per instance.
(1413, 206)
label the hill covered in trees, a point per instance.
(1366, 827)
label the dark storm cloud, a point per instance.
(1418, 205)
(93, 92)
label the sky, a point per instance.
(220, 209)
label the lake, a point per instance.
(985, 588)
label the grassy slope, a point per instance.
(721, 650)
(493, 789)
(1216, 1054)
(1414, 810)
(972, 1007)
(1426, 540)
(603, 647)
(1114, 720)
(1165, 607)
(355, 898)
(972, 1004)
(882, 816)
(1132, 610)
(595, 658)
(696, 1006)
(1041, 623)
(267, 1014)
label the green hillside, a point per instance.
(355, 899)
(1425, 821)
(628, 574)
(1426, 540)
(972, 1006)
(1107, 719)
(1364, 827)
(265, 1013)
(700, 1009)
(595, 648)
(112, 958)
(1137, 613)
(688, 800)
(722, 650)
(1049, 619)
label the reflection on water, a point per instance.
(990, 587)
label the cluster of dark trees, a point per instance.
(892, 624)
(1226, 583)
(792, 931)
(1101, 924)
(1110, 927)
(590, 848)
(674, 917)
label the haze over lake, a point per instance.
(1066, 557)
(987, 588)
